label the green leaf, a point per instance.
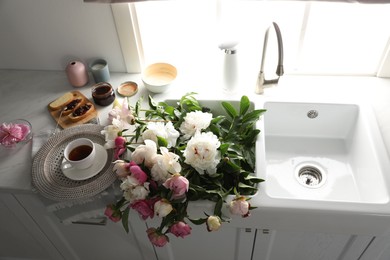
(257, 180)
(138, 106)
(198, 221)
(218, 207)
(223, 148)
(244, 105)
(245, 186)
(230, 110)
(250, 138)
(217, 119)
(253, 116)
(170, 111)
(152, 103)
(189, 103)
(125, 219)
(215, 130)
(233, 167)
(140, 122)
(162, 141)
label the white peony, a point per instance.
(133, 191)
(129, 183)
(166, 131)
(145, 153)
(195, 121)
(121, 169)
(166, 164)
(149, 135)
(138, 193)
(121, 113)
(162, 208)
(110, 132)
(201, 152)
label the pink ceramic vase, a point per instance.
(77, 73)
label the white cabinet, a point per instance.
(28, 231)
(20, 237)
(286, 245)
(93, 238)
(228, 243)
(379, 249)
(250, 244)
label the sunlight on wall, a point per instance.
(319, 38)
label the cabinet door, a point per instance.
(20, 237)
(228, 243)
(379, 249)
(276, 245)
(96, 239)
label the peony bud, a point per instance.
(112, 213)
(144, 208)
(156, 237)
(213, 223)
(138, 173)
(240, 206)
(120, 147)
(180, 229)
(121, 168)
(162, 208)
(178, 185)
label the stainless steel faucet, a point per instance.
(261, 81)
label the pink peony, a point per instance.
(180, 229)
(178, 185)
(112, 213)
(11, 134)
(156, 237)
(138, 173)
(144, 208)
(120, 147)
(240, 206)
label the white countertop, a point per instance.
(26, 94)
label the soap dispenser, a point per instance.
(229, 67)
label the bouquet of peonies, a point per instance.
(175, 154)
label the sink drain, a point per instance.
(310, 176)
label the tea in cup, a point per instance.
(79, 154)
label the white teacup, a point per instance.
(79, 154)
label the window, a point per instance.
(319, 37)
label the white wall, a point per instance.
(47, 34)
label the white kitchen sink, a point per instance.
(327, 156)
(342, 144)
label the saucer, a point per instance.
(95, 168)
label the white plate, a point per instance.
(95, 168)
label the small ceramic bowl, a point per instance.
(158, 77)
(128, 89)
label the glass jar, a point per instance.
(103, 94)
(15, 133)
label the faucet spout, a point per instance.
(261, 81)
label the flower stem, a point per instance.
(156, 120)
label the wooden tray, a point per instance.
(64, 120)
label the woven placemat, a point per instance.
(47, 176)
